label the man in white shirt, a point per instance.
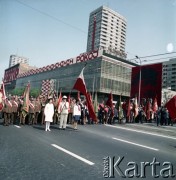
(63, 111)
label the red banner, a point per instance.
(151, 81)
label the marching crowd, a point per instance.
(44, 110)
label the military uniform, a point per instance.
(31, 112)
(20, 108)
(7, 112)
(43, 103)
(55, 117)
(37, 110)
(14, 110)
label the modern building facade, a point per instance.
(14, 59)
(106, 30)
(169, 74)
(103, 74)
(11, 74)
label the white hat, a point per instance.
(64, 97)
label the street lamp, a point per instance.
(139, 93)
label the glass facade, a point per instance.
(103, 75)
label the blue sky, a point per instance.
(48, 31)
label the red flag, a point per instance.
(80, 83)
(129, 108)
(25, 108)
(81, 86)
(78, 95)
(171, 106)
(2, 91)
(90, 107)
(135, 107)
(155, 105)
(109, 102)
(59, 99)
(148, 108)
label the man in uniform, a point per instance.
(8, 112)
(43, 103)
(55, 117)
(14, 109)
(31, 111)
(20, 108)
(37, 110)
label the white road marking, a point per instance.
(73, 154)
(136, 144)
(17, 126)
(143, 132)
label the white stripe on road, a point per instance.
(136, 144)
(143, 132)
(17, 126)
(73, 154)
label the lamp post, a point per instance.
(139, 93)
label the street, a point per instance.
(28, 152)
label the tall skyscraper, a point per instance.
(169, 74)
(14, 59)
(107, 30)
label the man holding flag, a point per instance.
(81, 86)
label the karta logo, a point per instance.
(134, 169)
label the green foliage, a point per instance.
(34, 92)
(18, 91)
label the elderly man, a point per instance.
(63, 111)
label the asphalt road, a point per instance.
(28, 152)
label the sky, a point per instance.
(48, 31)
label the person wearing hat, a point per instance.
(49, 112)
(63, 111)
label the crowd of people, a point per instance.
(46, 110)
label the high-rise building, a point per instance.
(107, 30)
(169, 74)
(14, 59)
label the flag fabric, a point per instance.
(135, 107)
(2, 91)
(109, 102)
(59, 99)
(148, 109)
(80, 83)
(129, 108)
(81, 86)
(155, 105)
(78, 95)
(120, 109)
(90, 107)
(25, 108)
(95, 103)
(171, 106)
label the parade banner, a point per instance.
(25, 108)
(171, 106)
(81, 86)
(151, 82)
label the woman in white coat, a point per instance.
(49, 112)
